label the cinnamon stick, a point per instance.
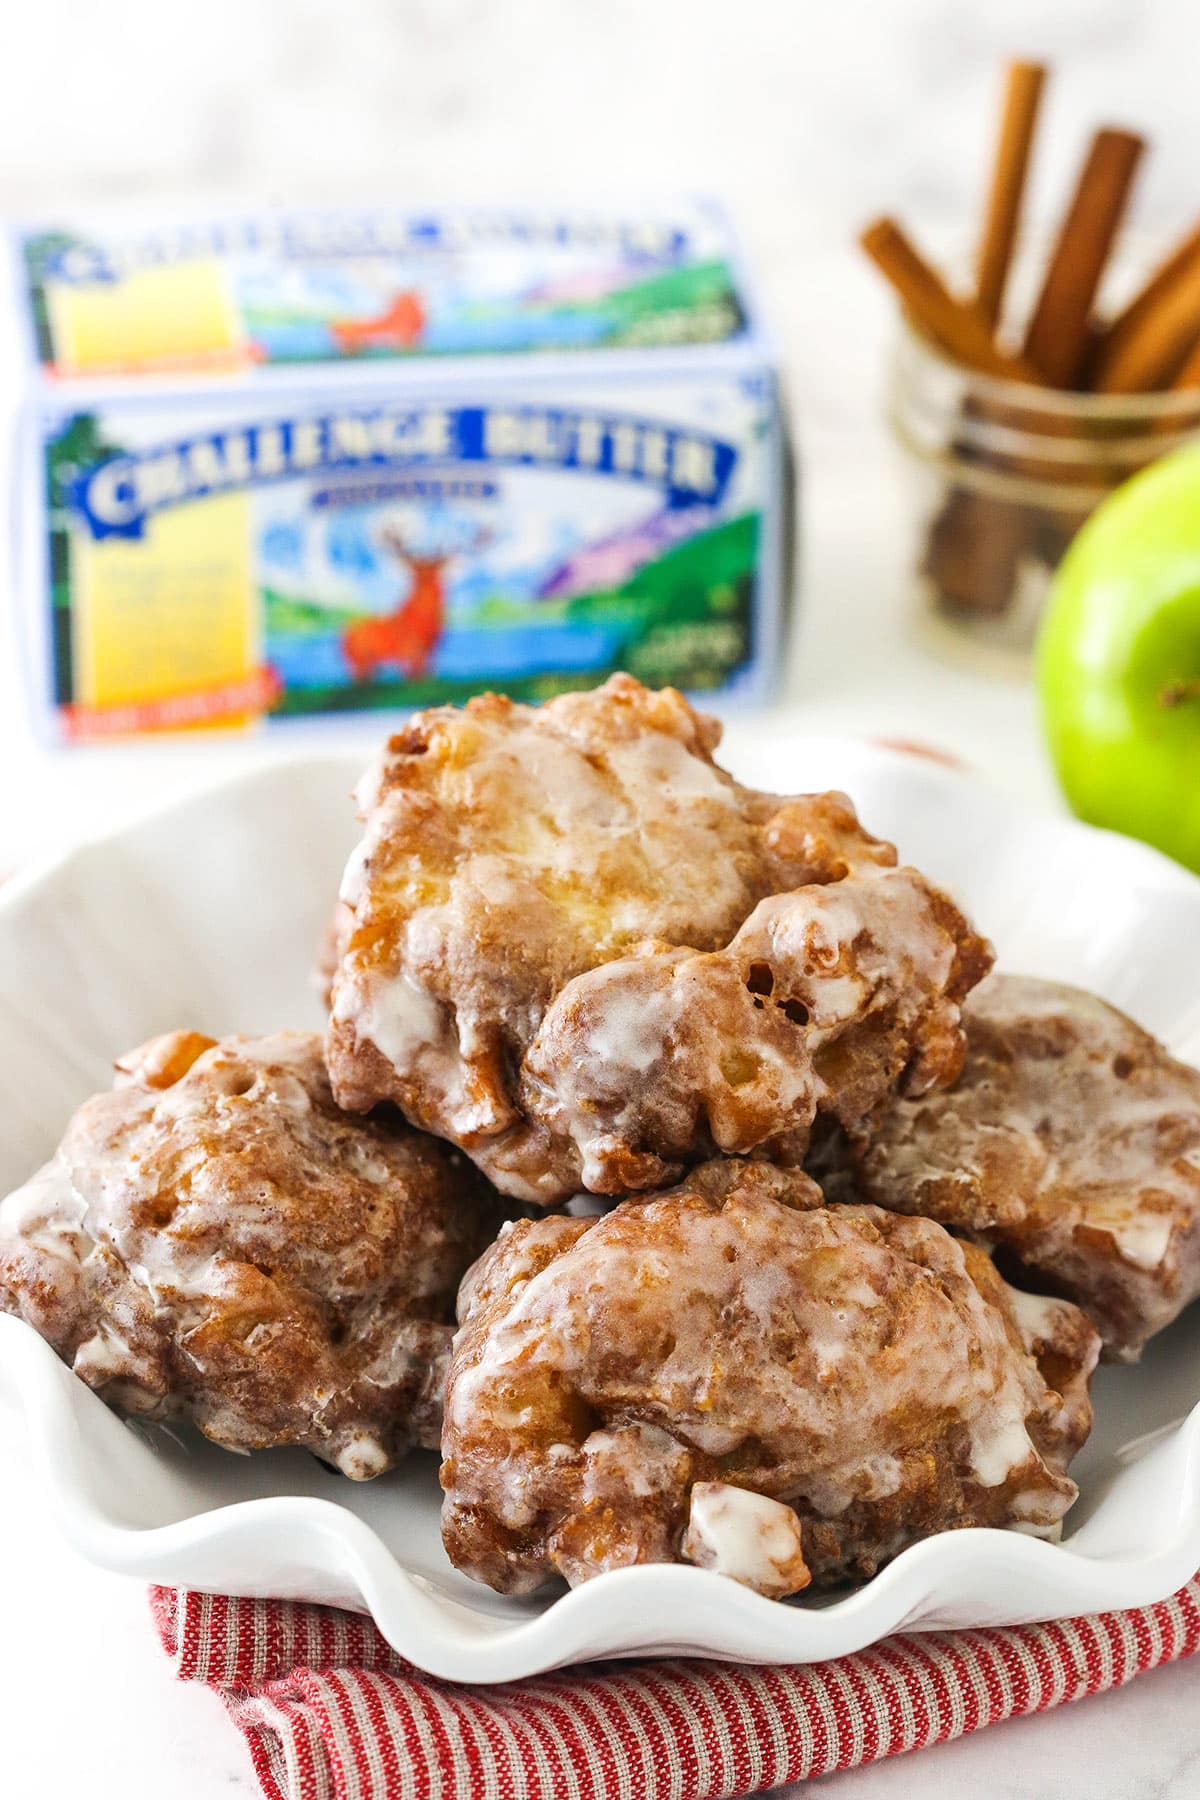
(973, 551)
(957, 326)
(1148, 353)
(1056, 342)
(1188, 373)
(1129, 320)
(1018, 121)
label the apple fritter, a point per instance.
(734, 1374)
(573, 945)
(1070, 1145)
(215, 1240)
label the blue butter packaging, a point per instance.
(303, 464)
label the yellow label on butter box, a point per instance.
(179, 315)
(173, 612)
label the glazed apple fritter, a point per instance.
(214, 1240)
(1070, 1145)
(734, 1374)
(574, 946)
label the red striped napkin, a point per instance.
(331, 1713)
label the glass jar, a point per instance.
(1003, 475)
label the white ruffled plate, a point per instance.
(207, 915)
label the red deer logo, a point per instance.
(397, 327)
(408, 636)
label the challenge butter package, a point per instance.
(295, 465)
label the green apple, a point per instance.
(1119, 661)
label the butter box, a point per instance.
(301, 465)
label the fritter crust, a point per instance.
(215, 1240)
(736, 1374)
(574, 946)
(1070, 1145)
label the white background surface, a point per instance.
(808, 118)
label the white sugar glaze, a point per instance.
(747, 1537)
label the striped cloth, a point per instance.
(330, 1712)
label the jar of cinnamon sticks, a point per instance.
(1003, 474)
(1018, 420)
